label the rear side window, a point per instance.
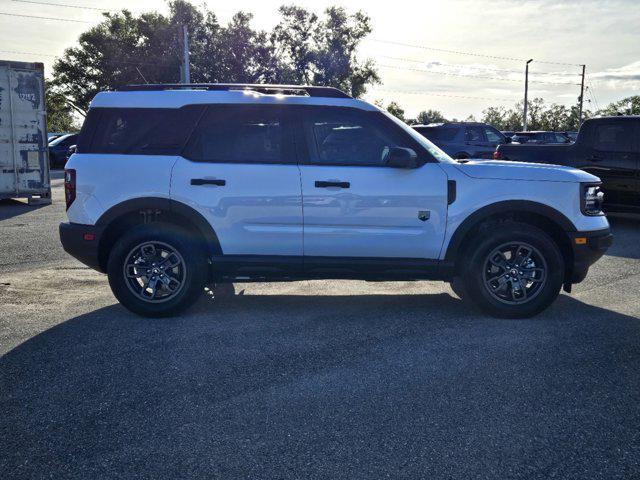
(242, 134)
(613, 137)
(139, 131)
(442, 134)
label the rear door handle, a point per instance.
(327, 184)
(208, 181)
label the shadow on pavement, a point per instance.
(416, 386)
(626, 236)
(13, 208)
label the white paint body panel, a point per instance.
(257, 212)
(105, 180)
(377, 216)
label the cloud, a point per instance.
(626, 73)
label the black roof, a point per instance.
(310, 90)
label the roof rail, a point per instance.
(312, 91)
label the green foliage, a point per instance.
(394, 109)
(430, 116)
(59, 111)
(302, 48)
(626, 106)
(540, 116)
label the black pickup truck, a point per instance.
(608, 147)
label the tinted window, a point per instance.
(613, 137)
(349, 137)
(493, 136)
(140, 131)
(443, 134)
(241, 134)
(474, 134)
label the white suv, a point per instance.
(174, 187)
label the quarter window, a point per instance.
(616, 137)
(141, 131)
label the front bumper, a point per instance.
(587, 247)
(82, 242)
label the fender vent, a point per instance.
(451, 191)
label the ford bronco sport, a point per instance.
(174, 187)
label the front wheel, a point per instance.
(515, 270)
(155, 270)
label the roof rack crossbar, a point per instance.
(312, 91)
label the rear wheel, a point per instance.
(514, 271)
(155, 270)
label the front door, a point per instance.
(354, 205)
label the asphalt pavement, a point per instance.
(311, 380)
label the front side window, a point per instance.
(348, 137)
(493, 136)
(241, 134)
(613, 137)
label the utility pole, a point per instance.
(185, 74)
(526, 92)
(581, 96)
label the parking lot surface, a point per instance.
(322, 379)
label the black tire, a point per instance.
(508, 296)
(190, 272)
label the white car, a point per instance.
(174, 187)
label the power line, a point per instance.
(29, 53)
(473, 76)
(43, 18)
(472, 54)
(413, 60)
(65, 5)
(420, 92)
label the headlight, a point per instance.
(591, 199)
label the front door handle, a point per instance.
(208, 181)
(327, 184)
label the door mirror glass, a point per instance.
(400, 157)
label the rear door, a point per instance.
(613, 156)
(239, 171)
(354, 205)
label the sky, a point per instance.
(456, 56)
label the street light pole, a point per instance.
(526, 92)
(581, 96)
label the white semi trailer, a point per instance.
(24, 157)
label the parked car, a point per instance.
(464, 139)
(53, 136)
(572, 135)
(59, 149)
(508, 133)
(540, 137)
(222, 183)
(608, 147)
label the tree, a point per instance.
(495, 116)
(430, 116)
(626, 106)
(322, 51)
(59, 111)
(394, 109)
(302, 48)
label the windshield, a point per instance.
(59, 139)
(430, 147)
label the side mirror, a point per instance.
(507, 139)
(400, 157)
(72, 150)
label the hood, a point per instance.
(542, 172)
